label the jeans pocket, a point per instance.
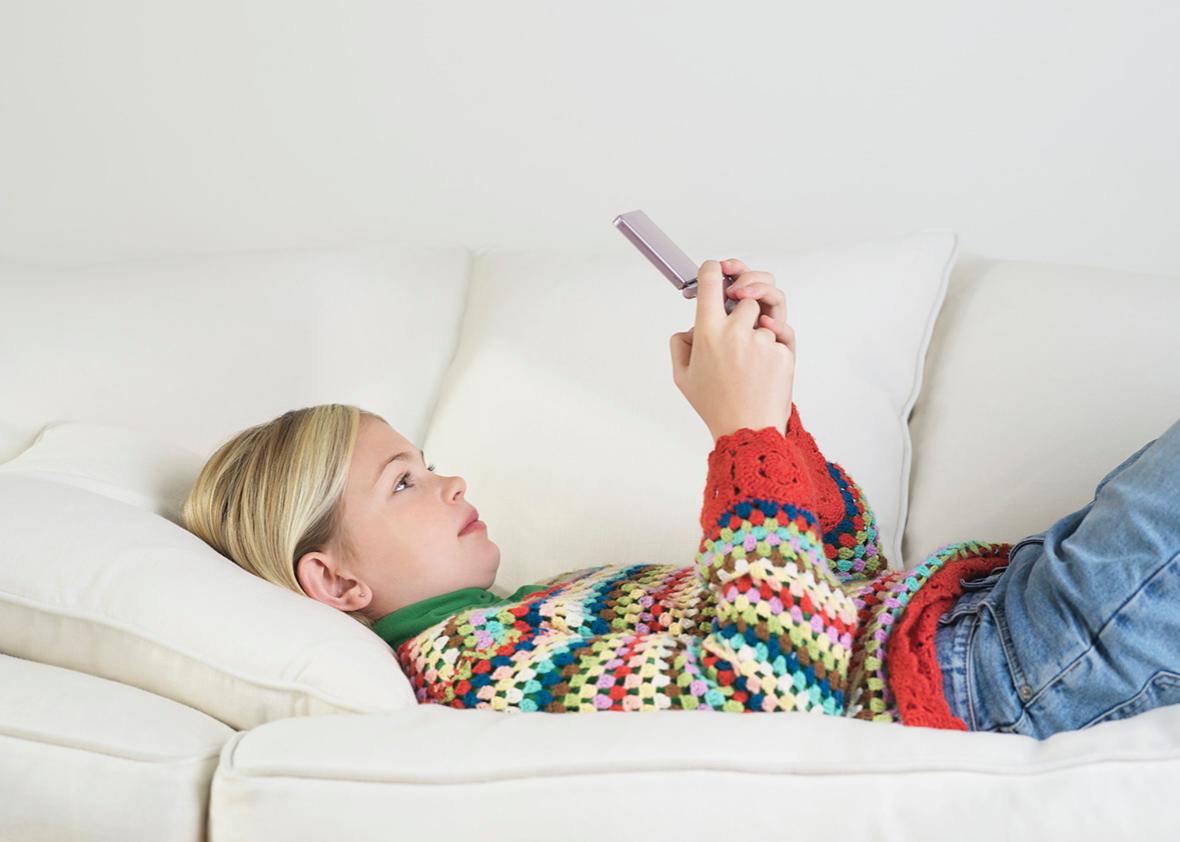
(974, 591)
(1162, 689)
(1039, 538)
(961, 606)
(986, 582)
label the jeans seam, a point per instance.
(1006, 727)
(1072, 664)
(1135, 593)
(1106, 713)
(967, 672)
(1015, 673)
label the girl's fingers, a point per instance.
(761, 287)
(784, 333)
(770, 298)
(753, 278)
(763, 292)
(733, 266)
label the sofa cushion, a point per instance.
(560, 411)
(197, 347)
(93, 584)
(86, 758)
(136, 467)
(1040, 380)
(799, 776)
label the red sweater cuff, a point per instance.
(755, 464)
(828, 501)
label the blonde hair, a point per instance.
(273, 492)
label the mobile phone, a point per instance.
(665, 255)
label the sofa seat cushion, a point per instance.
(474, 774)
(86, 758)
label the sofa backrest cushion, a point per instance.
(1040, 380)
(197, 347)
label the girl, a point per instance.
(789, 606)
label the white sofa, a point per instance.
(150, 689)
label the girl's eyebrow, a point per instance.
(405, 454)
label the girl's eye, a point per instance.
(403, 477)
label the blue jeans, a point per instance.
(1082, 625)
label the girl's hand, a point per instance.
(734, 373)
(759, 286)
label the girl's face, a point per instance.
(403, 522)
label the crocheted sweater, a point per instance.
(789, 606)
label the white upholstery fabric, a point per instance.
(87, 758)
(434, 772)
(1040, 379)
(560, 411)
(195, 348)
(132, 466)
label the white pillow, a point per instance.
(95, 585)
(560, 411)
(125, 464)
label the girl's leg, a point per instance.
(1083, 625)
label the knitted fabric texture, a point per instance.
(917, 678)
(788, 607)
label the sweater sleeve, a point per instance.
(779, 634)
(850, 538)
(784, 628)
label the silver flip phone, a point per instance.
(665, 255)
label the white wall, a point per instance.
(1037, 130)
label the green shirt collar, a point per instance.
(399, 626)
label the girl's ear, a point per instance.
(320, 579)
